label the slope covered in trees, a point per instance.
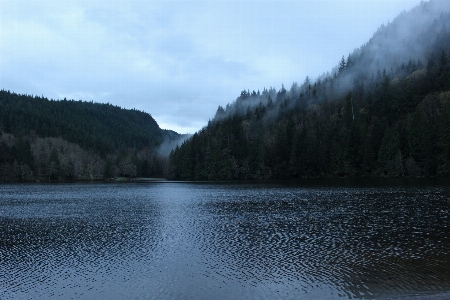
(383, 111)
(70, 140)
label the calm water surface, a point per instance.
(224, 241)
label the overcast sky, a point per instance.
(178, 60)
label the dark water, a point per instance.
(224, 241)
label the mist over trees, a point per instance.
(75, 140)
(383, 111)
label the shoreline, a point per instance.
(359, 180)
(438, 296)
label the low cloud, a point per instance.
(160, 56)
(171, 143)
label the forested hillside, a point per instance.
(384, 111)
(73, 140)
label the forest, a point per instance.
(67, 140)
(384, 111)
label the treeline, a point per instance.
(102, 128)
(354, 123)
(76, 140)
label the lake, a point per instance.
(173, 240)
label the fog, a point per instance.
(179, 59)
(171, 143)
(408, 38)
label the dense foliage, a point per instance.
(93, 126)
(70, 140)
(385, 111)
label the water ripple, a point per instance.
(189, 241)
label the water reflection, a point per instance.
(222, 241)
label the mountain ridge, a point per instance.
(368, 118)
(68, 139)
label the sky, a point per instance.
(178, 60)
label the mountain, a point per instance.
(69, 140)
(383, 111)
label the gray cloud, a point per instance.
(177, 60)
